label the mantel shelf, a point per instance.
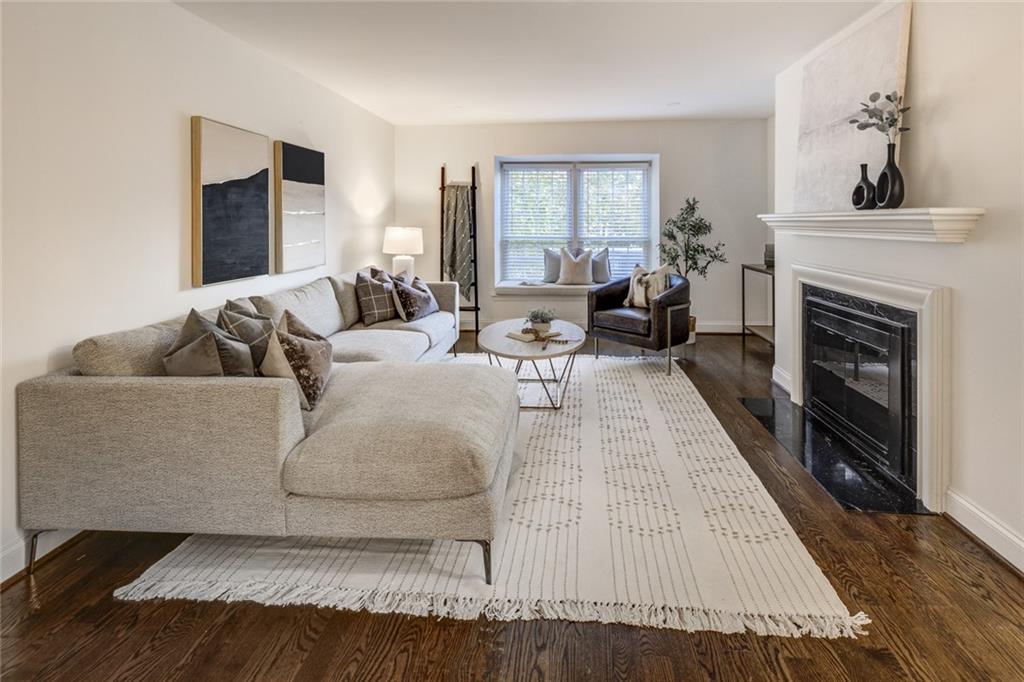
(945, 225)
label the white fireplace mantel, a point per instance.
(944, 225)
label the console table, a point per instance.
(766, 332)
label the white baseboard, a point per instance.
(999, 537)
(782, 378)
(14, 555)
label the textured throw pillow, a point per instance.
(552, 265)
(414, 301)
(644, 286)
(251, 327)
(298, 353)
(576, 269)
(602, 269)
(376, 296)
(203, 349)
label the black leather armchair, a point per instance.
(665, 324)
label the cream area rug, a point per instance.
(630, 505)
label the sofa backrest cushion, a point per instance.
(314, 303)
(135, 352)
(345, 290)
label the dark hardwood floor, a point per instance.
(942, 607)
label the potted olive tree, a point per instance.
(682, 246)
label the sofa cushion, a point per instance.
(358, 451)
(345, 290)
(360, 344)
(135, 352)
(314, 303)
(436, 326)
(630, 320)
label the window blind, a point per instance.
(536, 213)
(614, 211)
(591, 206)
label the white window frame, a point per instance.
(653, 161)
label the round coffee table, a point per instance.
(494, 340)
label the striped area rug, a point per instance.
(630, 505)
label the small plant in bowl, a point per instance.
(540, 319)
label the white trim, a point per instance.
(942, 225)
(999, 537)
(782, 379)
(932, 305)
(507, 288)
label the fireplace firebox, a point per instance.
(859, 377)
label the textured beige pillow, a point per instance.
(644, 286)
(576, 270)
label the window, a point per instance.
(587, 205)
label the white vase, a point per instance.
(542, 327)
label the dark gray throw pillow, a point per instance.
(416, 299)
(252, 328)
(203, 349)
(376, 297)
(298, 353)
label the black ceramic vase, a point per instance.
(864, 191)
(889, 188)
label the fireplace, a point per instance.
(859, 377)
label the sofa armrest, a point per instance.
(447, 295)
(173, 454)
(607, 296)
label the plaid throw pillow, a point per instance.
(376, 296)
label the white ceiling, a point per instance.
(439, 63)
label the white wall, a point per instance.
(96, 226)
(966, 148)
(720, 162)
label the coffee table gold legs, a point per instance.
(560, 381)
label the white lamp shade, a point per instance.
(406, 241)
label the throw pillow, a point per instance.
(296, 352)
(203, 349)
(602, 268)
(414, 301)
(576, 270)
(552, 265)
(251, 327)
(644, 286)
(375, 292)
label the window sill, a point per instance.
(512, 288)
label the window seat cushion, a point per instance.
(518, 288)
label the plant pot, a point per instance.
(542, 327)
(889, 188)
(864, 191)
(692, 338)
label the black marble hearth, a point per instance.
(848, 475)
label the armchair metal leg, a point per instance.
(668, 349)
(596, 348)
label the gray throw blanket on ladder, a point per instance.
(458, 244)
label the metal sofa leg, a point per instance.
(485, 545)
(32, 547)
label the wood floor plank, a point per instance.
(942, 607)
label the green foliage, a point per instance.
(682, 246)
(541, 315)
(884, 116)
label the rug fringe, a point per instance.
(469, 608)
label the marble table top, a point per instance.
(493, 340)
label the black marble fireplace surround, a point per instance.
(857, 430)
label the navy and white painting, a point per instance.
(301, 219)
(234, 170)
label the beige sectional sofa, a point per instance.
(114, 444)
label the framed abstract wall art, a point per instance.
(300, 198)
(230, 203)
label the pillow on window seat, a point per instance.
(576, 270)
(601, 272)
